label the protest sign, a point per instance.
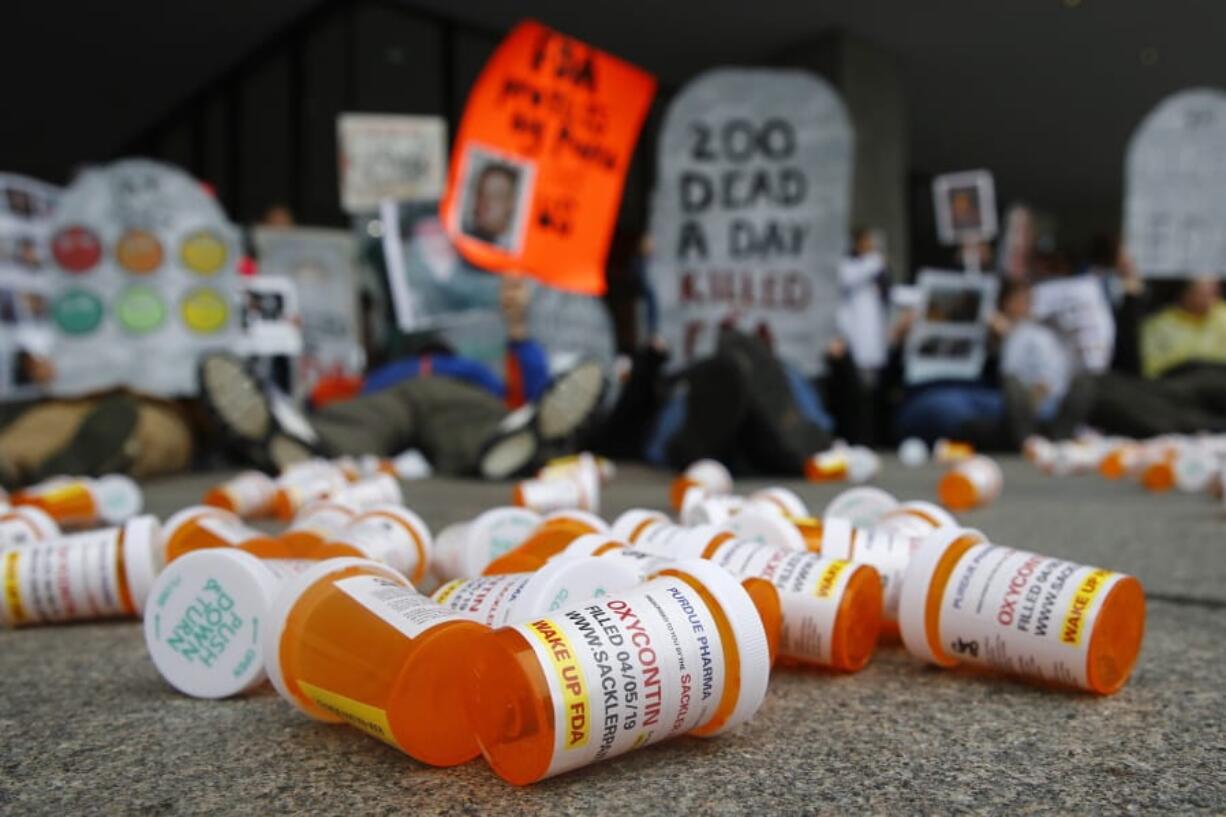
(540, 158)
(749, 217)
(142, 280)
(385, 156)
(950, 342)
(26, 206)
(965, 205)
(1175, 187)
(1078, 309)
(269, 316)
(320, 262)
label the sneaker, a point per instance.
(261, 425)
(514, 448)
(104, 443)
(569, 407)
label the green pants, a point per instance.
(449, 420)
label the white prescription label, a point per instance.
(74, 577)
(888, 552)
(1023, 613)
(387, 539)
(486, 599)
(810, 590)
(629, 671)
(402, 607)
(18, 531)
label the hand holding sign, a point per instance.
(541, 156)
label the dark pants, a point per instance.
(448, 419)
(1182, 403)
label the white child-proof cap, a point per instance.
(463, 550)
(752, 643)
(916, 517)
(912, 452)
(380, 489)
(142, 557)
(863, 506)
(712, 475)
(563, 584)
(221, 596)
(767, 528)
(916, 585)
(709, 509)
(119, 498)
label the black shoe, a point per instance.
(515, 448)
(569, 407)
(260, 426)
(105, 442)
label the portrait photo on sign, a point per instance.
(956, 298)
(965, 206)
(496, 194)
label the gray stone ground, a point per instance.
(88, 727)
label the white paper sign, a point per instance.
(270, 316)
(965, 205)
(26, 207)
(951, 341)
(143, 280)
(383, 156)
(1175, 187)
(321, 264)
(749, 217)
(1078, 309)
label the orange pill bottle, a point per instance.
(549, 539)
(971, 483)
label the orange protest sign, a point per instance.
(541, 155)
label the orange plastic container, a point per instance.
(548, 540)
(965, 600)
(202, 526)
(351, 641)
(693, 648)
(971, 483)
(249, 494)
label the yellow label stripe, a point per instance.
(1075, 617)
(576, 723)
(370, 719)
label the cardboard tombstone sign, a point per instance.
(950, 342)
(749, 217)
(965, 206)
(385, 156)
(1175, 187)
(321, 264)
(1078, 309)
(541, 156)
(142, 280)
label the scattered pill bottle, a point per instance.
(1194, 470)
(79, 502)
(1122, 459)
(389, 534)
(602, 545)
(316, 524)
(888, 552)
(25, 525)
(203, 619)
(369, 492)
(699, 508)
(577, 489)
(913, 452)
(200, 527)
(670, 539)
(686, 652)
(104, 573)
(511, 598)
(561, 466)
(782, 500)
(832, 608)
(296, 490)
(248, 494)
(948, 452)
(632, 522)
(827, 466)
(769, 528)
(351, 640)
(965, 600)
(465, 549)
(862, 506)
(971, 483)
(549, 539)
(708, 477)
(916, 518)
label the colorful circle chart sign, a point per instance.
(77, 312)
(140, 310)
(203, 252)
(205, 311)
(76, 249)
(139, 251)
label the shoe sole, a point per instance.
(235, 398)
(571, 402)
(510, 455)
